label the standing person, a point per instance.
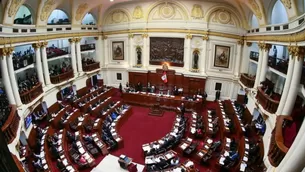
(182, 109)
(121, 88)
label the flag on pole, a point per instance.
(164, 77)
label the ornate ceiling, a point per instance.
(76, 9)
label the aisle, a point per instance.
(142, 128)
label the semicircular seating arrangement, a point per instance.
(78, 134)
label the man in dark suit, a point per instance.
(217, 96)
(182, 109)
(175, 91)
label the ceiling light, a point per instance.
(111, 0)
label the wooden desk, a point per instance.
(55, 120)
(170, 103)
(101, 96)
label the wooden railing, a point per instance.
(62, 77)
(91, 67)
(247, 80)
(277, 149)
(30, 95)
(267, 103)
(87, 47)
(18, 163)
(11, 125)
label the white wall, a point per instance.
(282, 51)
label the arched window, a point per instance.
(254, 22)
(89, 19)
(58, 17)
(279, 14)
(23, 16)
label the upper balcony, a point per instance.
(29, 95)
(87, 47)
(278, 149)
(54, 52)
(247, 80)
(269, 103)
(11, 125)
(56, 79)
(294, 26)
(87, 67)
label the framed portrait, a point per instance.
(222, 56)
(118, 76)
(118, 50)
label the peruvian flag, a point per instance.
(164, 77)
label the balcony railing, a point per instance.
(62, 77)
(87, 47)
(30, 95)
(277, 149)
(247, 80)
(56, 52)
(278, 64)
(267, 103)
(91, 67)
(11, 125)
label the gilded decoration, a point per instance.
(145, 35)
(43, 44)
(14, 7)
(167, 11)
(72, 40)
(188, 36)
(256, 9)
(296, 51)
(80, 11)
(6, 51)
(130, 35)
(47, 9)
(117, 16)
(138, 12)
(240, 42)
(222, 16)
(36, 45)
(287, 3)
(197, 11)
(205, 37)
(249, 44)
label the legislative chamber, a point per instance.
(152, 86)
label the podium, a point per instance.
(156, 109)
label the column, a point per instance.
(287, 82)
(145, 50)
(45, 63)
(187, 57)
(13, 78)
(106, 50)
(264, 63)
(73, 56)
(78, 55)
(259, 65)
(298, 53)
(245, 58)
(36, 47)
(240, 43)
(98, 49)
(203, 57)
(5, 75)
(132, 56)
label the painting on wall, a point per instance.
(118, 50)
(222, 56)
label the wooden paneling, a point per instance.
(190, 85)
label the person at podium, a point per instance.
(139, 87)
(175, 91)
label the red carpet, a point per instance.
(142, 128)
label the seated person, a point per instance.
(71, 137)
(88, 138)
(113, 115)
(37, 164)
(234, 156)
(60, 165)
(233, 145)
(174, 161)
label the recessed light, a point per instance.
(111, 0)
